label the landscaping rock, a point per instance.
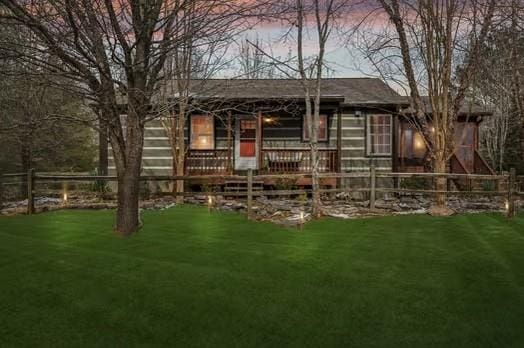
(285, 211)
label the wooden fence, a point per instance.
(509, 186)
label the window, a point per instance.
(379, 135)
(202, 132)
(411, 142)
(322, 129)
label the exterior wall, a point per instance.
(157, 157)
(353, 156)
(286, 133)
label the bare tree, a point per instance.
(207, 35)
(114, 52)
(253, 63)
(303, 17)
(516, 29)
(498, 84)
(438, 43)
(31, 134)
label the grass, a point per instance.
(192, 279)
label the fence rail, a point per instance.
(510, 186)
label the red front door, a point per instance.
(248, 137)
(246, 143)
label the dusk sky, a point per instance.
(343, 59)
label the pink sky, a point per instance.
(344, 61)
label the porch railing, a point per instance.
(208, 162)
(296, 161)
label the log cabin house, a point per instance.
(237, 125)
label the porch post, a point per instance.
(229, 143)
(339, 141)
(339, 147)
(395, 151)
(395, 142)
(259, 139)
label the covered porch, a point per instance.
(266, 142)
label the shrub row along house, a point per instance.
(237, 125)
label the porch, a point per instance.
(267, 143)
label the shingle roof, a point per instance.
(467, 108)
(353, 91)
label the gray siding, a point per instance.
(353, 154)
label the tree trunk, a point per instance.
(315, 184)
(127, 216)
(439, 207)
(103, 159)
(26, 161)
(127, 153)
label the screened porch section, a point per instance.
(413, 156)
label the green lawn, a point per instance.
(194, 279)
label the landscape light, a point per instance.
(209, 203)
(506, 205)
(64, 198)
(302, 219)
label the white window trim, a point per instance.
(368, 136)
(212, 147)
(304, 125)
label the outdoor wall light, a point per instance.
(506, 205)
(64, 198)
(418, 144)
(269, 120)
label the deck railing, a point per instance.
(207, 162)
(297, 161)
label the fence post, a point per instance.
(30, 192)
(511, 193)
(249, 192)
(373, 185)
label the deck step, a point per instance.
(242, 182)
(241, 186)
